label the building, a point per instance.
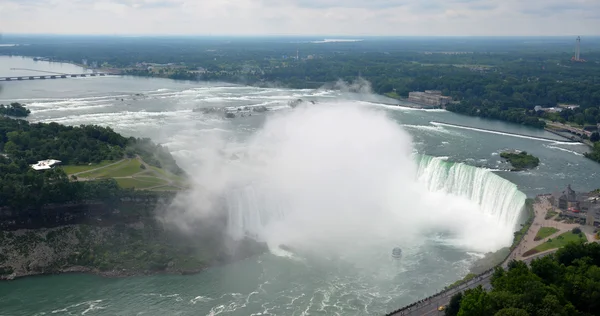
(45, 164)
(578, 205)
(568, 200)
(569, 106)
(429, 97)
(549, 110)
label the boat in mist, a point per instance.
(397, 253)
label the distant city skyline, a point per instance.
(303, 17)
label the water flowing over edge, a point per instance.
(249, 209)
(496, 196)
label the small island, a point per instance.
(520, 160)
(14, 109)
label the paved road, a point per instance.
(429, 307)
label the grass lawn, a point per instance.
(558, 242)
(71, 169)
(550, 213)
(155, 180)
(545, 232)
(139, 183)
(392, 95)
(166, 188)
(167, 175)
(125, 168)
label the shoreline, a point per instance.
(116, 274)
(506, 133)
(574, 141)
(111, 274)
(117, 251)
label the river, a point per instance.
(360, 281)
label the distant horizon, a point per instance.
(316, 36)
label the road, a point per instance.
(429, 307)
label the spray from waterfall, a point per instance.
(335, 177)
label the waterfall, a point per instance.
(496, 196)
(252, 206)
(249, 209)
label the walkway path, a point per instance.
(92, 170)
(540, 208)
(431, 306)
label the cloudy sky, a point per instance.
(302, 17)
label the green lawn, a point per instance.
(545, 232)
(139, 183)
(392, 95)
(155, 180)
(129, 174)
(71, 169)
(125, 168)
(550, 213)
(559, 241)
(166, 188)
(167, 175)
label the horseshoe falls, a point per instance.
(478, 207)
(496, 196)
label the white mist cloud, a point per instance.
(303, 17)
(327, 178)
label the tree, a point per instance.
(454, 305)
(475, 302)
(512, 311)
(595, 137)
(566, 283)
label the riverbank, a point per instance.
(119, 250)
(570, 137)
(504, 133)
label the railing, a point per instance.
(463, 285)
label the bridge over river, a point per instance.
(52, 76)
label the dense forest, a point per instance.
(565, 283)
(498, 78)
(14, 109)
(23, 143)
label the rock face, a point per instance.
(117, 250)
(260, 109)
(295, 103)
(210, 110)
(229, 112)
(114, 240)
(56, 215)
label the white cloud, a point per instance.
(110, 7)
(303, 17)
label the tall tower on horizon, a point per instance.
(578, 48)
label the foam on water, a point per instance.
(494, 132)
(564, 149)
